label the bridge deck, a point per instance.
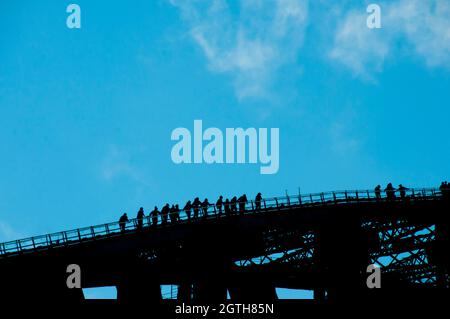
(110, 230)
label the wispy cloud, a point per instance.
(426, 25)
(422, 26)
(7, 232)
(343, 137)
(250, 45)
(340, 143)
(252, 40)
(359, 48)
(118, 163)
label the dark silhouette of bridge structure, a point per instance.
(322, 242)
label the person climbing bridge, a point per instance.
(258, 200)
(187, 210)
(378, 192)
(390, 191)
(122, 222)
(205, 206)
(219, 205)
(154, 214)
(402, 190)
(242, 202)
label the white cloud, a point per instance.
(359, 48)
(423, 26)
(426, 24)
(251, 40)
(251, 46)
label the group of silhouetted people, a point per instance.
(221, 206)
(193, 210)
(197, 208)
(230, 207)
(390, 191)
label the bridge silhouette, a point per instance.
(322, 242)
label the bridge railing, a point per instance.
(75, 236)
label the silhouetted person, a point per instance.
(154, 213)
(258, 200)
(378, 192)
(177, 213)
(140, 218)
(205, 206)
(233, 205)
(442, 188)
(390, 191)
(165, 213)
(219, 204)
(242, 201)
(122, 222)
(196, 206)
(445, 190)
(187, 210)
(227, 207)
(402, 190)
(172, 214)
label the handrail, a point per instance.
(75, 236)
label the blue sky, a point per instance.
(86, 114)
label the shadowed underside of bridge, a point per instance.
(325, 248)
